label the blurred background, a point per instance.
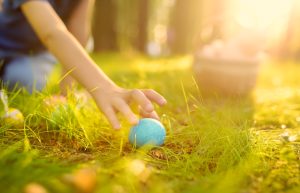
(175, 27)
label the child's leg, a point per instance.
(30, 72)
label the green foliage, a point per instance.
(213, 144)
(19, 168)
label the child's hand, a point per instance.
(63, 45)
(116, 99)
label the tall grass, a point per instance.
(213, 144)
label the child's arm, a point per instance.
(79, 25)
(60, 42)
(80, 21)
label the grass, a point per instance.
(213, 144)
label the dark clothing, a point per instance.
(17, 36)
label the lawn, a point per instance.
(214, 143)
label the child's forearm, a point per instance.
(79, 25)
(76, 61)
(1, 2)
(80, 21)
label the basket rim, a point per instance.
(226, 61)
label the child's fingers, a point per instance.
(145, 114)
(123, 107)
(142, 100)
(155, 97)
(111, 116)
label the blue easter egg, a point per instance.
(147, 131)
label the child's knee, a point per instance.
(27, 72)
(18, 73)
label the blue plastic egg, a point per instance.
(147, 132)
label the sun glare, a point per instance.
(270, 18)
(263, 14)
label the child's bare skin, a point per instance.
(67, 48)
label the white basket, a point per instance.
(225, 76)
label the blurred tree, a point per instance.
(142, 28)
(104, 27)
(290, 44)
(185, 25)
(127, 24)
(214, 18)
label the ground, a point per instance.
(214, 143)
